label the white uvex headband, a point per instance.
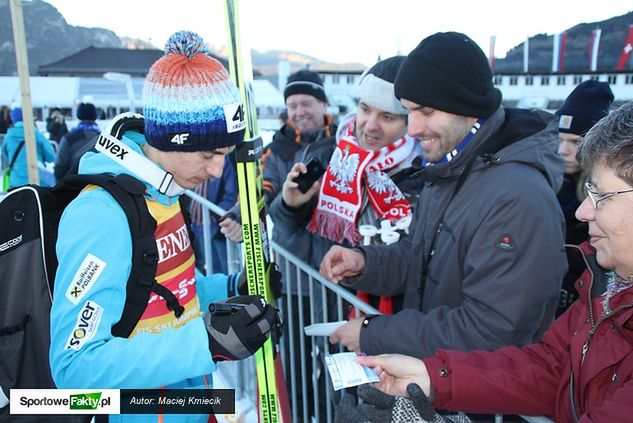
(379, 93)
(138, 164)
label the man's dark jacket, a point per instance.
(498, 261)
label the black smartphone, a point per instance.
(315, 170)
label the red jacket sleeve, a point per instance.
(510, 380)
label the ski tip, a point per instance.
(187, 43)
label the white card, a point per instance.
(346, 372)
(323, 329)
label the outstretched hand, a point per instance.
(348, 335)
(339, 263)
(397, 371)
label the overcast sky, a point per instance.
(342, 30)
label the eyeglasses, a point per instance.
(596, 197)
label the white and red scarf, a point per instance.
(352, 169)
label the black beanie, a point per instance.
(587, 104)
(449, 72)
(305, 82)
(86, 111)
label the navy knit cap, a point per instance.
(189, 101)
(16, 114)
(86, 111)
(449, 72)
(587, 104)
(305, 82)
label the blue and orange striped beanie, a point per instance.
(189, 101)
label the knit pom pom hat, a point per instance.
(189, 101)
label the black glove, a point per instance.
(378, 407)
(275, 281)
(239, 326)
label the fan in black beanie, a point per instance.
(482, 265)
(449, 72)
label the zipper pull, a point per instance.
(585, 347)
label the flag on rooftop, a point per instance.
(626, 50)
(593, 49)
(558, 53)
(491, 53)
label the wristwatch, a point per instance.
(368, 318)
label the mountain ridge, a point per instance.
(46, 26)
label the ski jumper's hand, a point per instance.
(239, 326)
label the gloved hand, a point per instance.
(239, 326)
(379, 407)
(275, 281)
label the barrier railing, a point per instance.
(320, 292)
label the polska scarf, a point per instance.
(352, 169)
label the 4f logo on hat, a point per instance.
(234, 117)
(180, 139)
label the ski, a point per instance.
(271, 387)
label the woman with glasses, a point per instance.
(587, 104)
(582, 370)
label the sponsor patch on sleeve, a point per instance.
(86, 325)
(86, 276)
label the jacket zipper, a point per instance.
(585, 347)
(592, 331)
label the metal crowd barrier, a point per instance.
(320, 293)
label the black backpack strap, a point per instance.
(142, 280)
(128, 192)
(15, 156)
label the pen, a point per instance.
(225, 308)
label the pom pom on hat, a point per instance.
(189, 101)
(16, 114)
(586, 104)
(86, 111)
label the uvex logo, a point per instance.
(111, 147)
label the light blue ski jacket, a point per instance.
(94, 240)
